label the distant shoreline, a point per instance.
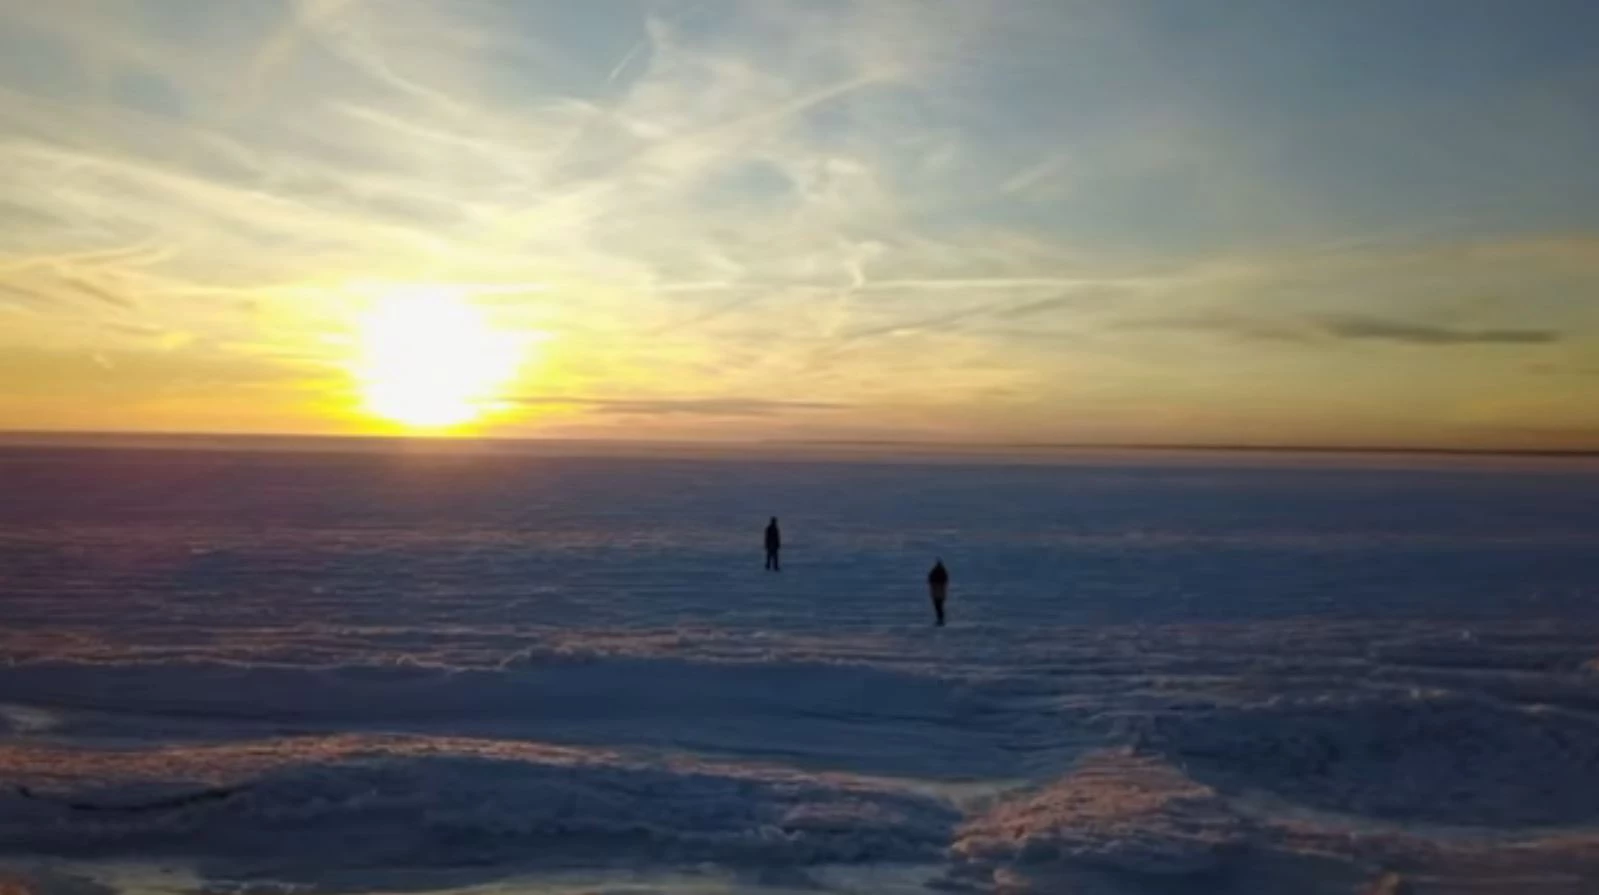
(1210, 447)
(820, 447)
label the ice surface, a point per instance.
(529, 674)
(379, 809)
(1435, 756)
(1117, 810)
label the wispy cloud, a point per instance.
(1308, 329)
(869, 209)
(1047, 174)
(1380, 330)
(99, 292)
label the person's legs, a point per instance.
(939, 593)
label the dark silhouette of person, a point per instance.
(938, 586)
(774, 544)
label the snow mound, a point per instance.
(442, 811)
(815, 715)
(1115, 811)
(1429, 758)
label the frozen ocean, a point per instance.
(387, 670)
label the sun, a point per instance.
(428, 359)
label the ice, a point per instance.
(1435, 757)
(422, 671)
(398, 810)
(814, 715)
(1116, 810)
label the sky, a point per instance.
(1251, 222)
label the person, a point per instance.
(774, 543)
(938, 584)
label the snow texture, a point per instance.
(376, 671)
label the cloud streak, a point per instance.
(1407, 333)
(1311, 329)
(884, 214)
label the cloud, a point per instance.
(1083, 298)
(26, 296)
(1340, 327)
(57, 290)
(1007, 299)
(1044, 177)
(1547, 368)
(723, 407)
(99, 293)
(1382, 330)
(918, 324)
(907, 159)
(1225, 322)
(1035, 308)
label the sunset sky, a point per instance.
(1158, 222)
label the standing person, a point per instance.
(774, 543)
(938, 585)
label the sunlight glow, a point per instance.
(428, 359)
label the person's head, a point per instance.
(774, 521)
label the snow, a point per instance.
(1114, 809)
(383, 809)
(528, 673)
(1438, 757)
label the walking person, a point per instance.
(774, 544)
(938, 586)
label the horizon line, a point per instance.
(79, 436)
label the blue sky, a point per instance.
(1164, 222)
